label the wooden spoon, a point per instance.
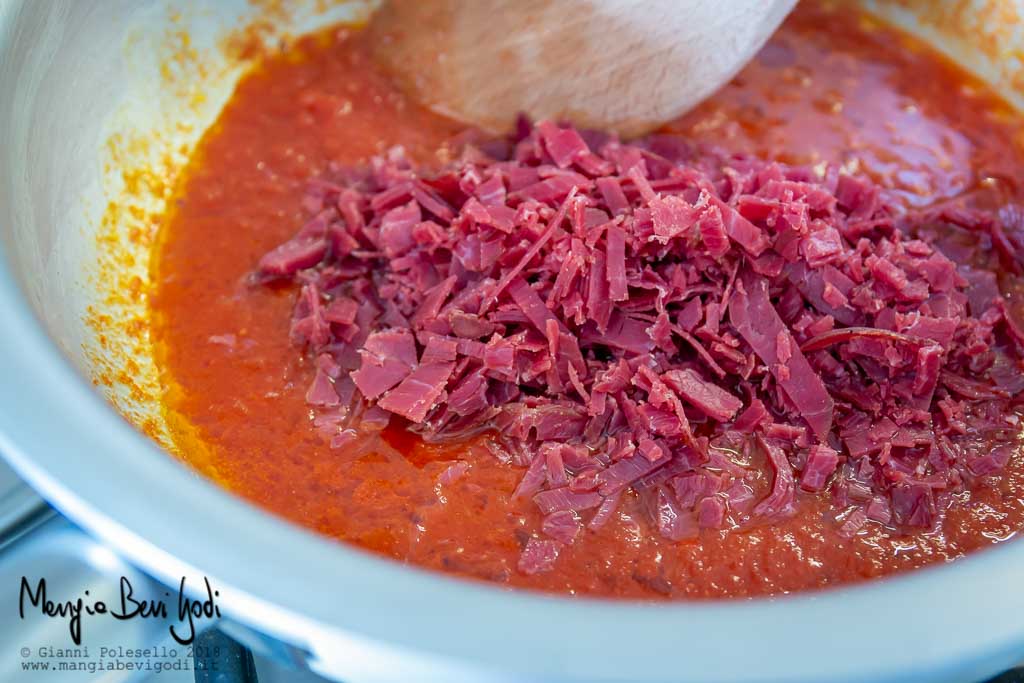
(621, 65)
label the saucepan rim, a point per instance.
(954, 621)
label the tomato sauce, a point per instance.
(831, 86)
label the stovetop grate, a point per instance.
(220, 659)
(1015, 676)
(225, 660)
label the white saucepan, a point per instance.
(99, 102)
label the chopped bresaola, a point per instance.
(678, 330)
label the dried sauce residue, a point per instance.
(150, 143)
